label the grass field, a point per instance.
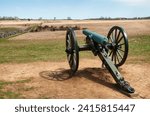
(29, 51)
(139, 51)
(17, 51)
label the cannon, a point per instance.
(112, 50)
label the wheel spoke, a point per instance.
(115, 34)
(68, 44)
(120, 39)
(112, 56)
(112, 35)
(121, 50)
(74, 58)
(119, 54)
(121, 44)
(68, 36)
(69, 40)
(111, 39)
(68, 57)
(70, 60)
(117, 57)
(110, 53)
(118, 36)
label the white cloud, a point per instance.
(134, 2)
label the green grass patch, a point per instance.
(29, 51)
(8, 95)
(11, 94)
(8, 29)
(17, 51)
(139, 49)
(22, 51)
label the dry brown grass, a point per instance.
(132, 27)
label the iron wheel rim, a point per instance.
(72, 50)
(119, 52)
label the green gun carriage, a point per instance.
(112, 50)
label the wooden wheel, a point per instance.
(119, 45)
(72, 50)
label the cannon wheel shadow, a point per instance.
(97, 75)
(57, 75)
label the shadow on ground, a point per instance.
(97, 75)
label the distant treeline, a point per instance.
(8, 18)
(119, 18)
(69, 18)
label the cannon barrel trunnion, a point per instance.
(112, 50)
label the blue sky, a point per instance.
(76, 9)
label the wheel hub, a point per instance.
(69, 51)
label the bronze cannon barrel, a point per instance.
(96, 37)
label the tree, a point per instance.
(69, 18)
(40, 18)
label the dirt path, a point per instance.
(89, 82)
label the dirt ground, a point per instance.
(91, 81)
